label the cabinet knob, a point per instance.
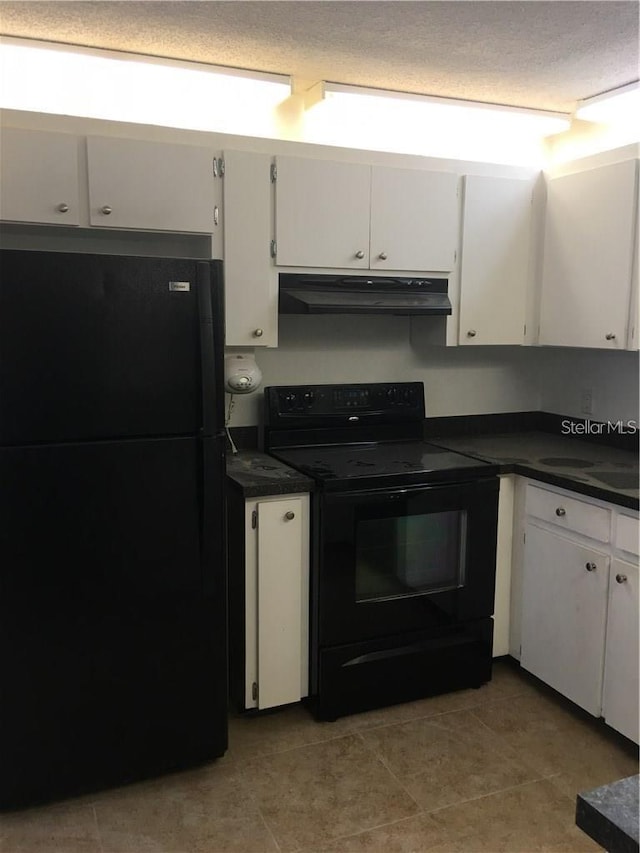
(621, 578)
(290, 515)
(258, 333)
(590, 567)
(383, 256)
(471, 333)
(63, 208)
(106, 209)
(561, 512)
(360, 254)
(610, 336)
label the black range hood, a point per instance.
(301, 293)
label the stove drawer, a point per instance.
(362, 676)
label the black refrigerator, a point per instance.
(113, 639)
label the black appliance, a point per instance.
(301, 293)
(112, 544)
(403, 545)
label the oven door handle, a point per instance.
(425, 645)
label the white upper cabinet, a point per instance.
(39, 177)
(414, 218)
(251, 286)
(150, 185)
(353, 216)
(322, 213)
(496, 238)
(588, 250)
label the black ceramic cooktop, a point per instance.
(392, 463)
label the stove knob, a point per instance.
(289, 400)
(309, 399)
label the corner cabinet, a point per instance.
(353, 216)
(39, 178)
(579, 602)
(588, 256)
(150, 185)
(495, 260)
(269, 601)
(251, 283)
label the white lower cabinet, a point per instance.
(276, 600)
(564, 615)
(578, 601)
(621, 687)
(502, 601)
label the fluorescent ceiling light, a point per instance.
(47, 78)
(618, 105)
(426, 114)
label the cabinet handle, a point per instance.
(561, 512)
(360, 254)
(290, 515)
(621, 578)
(471, 333)
(106, 210)
(63, 208)
(258, 333)
(610, 336)
(383, 256)
(590, 567)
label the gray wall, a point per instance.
(458, 380)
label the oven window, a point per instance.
(410, 555)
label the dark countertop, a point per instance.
(596, 470)
(257, 474)
(609, 815)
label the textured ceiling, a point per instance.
(546, 55)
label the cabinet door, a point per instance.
(620, 700)
(250, 280)
(282, 601)
(39, 177)
(564, 604)
(414, 220)
(588, 257)
(322, 213)
(150, 185)
(494, 260)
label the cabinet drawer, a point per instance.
(569, 513)
(627, 530)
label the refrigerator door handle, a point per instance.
(213, 517)
(211, 327)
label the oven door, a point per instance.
(406, 559)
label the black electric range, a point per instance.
(403, 543)
(360, 436)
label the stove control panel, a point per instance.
(379, 400)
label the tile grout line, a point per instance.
(261, 755)
(269, 830)
(492, 794)
(381, 760)
(469, 708)
(97, 826)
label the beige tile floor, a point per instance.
(493, 770)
